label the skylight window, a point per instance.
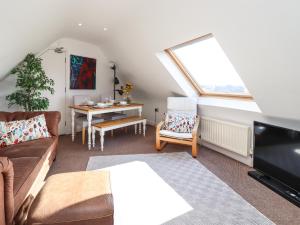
(207, 68)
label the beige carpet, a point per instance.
(74, 157)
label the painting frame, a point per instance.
(82, 72)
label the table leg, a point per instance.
(73, 123)
(102, 139)
(140, 128)
(93, 136)
(135, 128)
(144, 127)
(89, 119)
(140, 124)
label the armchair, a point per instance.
(164, 136)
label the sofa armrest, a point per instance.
(6, 191)
(52, 118)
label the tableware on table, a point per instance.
(90, 103)
(101, 105)
(123, 103)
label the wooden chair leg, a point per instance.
(157, 146)
(83, 135)
(194, 148)
(157, 138)
(160, 145)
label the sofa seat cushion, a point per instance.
(26, 171)
(77, 198)
(28, 159)
(172, 134)
(23, 167)
(36, 148)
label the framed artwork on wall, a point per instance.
(82, 72)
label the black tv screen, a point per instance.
(277, 153)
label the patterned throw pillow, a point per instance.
(18, 131)
(180, 122)
(3, 134)
(38, 127)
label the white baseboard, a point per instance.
(246, 160)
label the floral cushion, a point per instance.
(38, 126)
(18, 131)
(3, 134)
(180, 122)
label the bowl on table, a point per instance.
(90, 103)
(101, 105)
(123, 103)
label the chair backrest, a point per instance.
(81, 99)
(182, 104)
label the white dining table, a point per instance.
(90, 111)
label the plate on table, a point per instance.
(103, 105)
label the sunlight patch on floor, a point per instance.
(141, 196)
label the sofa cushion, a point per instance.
(17, 131)
(26, 170)
(28, 159)
(36, 148)
(23, 167)
(52, 118)
(180, 122)
(172, 134)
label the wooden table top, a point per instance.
(92, 108)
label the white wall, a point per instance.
(222, 113)
(104, 76)
(103, 72)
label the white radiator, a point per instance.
(230, 136)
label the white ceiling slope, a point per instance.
(27, 26)
(261, 38)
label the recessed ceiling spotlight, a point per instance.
(105, 29)
(79, 24)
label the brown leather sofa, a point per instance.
(24, 166)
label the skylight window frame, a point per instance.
(189, 77)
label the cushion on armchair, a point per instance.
(180, 122)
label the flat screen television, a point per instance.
(277, 158)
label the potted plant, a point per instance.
(32, 81)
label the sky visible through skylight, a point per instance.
(210, 68)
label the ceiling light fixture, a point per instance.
(105, 29)
(79, 24)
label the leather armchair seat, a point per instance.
(77, 198)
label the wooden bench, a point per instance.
(115, 124)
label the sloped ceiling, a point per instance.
(261, 38)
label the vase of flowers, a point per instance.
(126, 91)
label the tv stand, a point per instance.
(276, 186)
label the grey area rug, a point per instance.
(213, 201)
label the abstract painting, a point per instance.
(82, 72)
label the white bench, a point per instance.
(115, 124)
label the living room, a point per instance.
(149, 112)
